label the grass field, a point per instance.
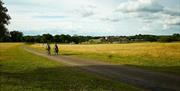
(163, 57)
(23, 71)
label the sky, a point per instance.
(94, 17)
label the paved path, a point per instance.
(151, 81)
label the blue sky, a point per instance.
(94, 17)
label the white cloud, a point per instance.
(140, 6)
(170, 21)
(151, 13)
(86, 11)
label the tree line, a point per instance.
(143, 38)
(16, 36)
(48, 38)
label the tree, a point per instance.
(57, 38)
(150, 38)
(75, 39)
(165, 39)
(16, 36)
(29, 39)
(4, 20)
(62, 38)
(176, 37)
(47, 38)
(38, 39)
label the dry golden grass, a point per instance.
(5, 47)
(157, 50)
(162, 57)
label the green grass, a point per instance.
(23, 71)
(161, 57)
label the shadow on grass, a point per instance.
(56, 79)
(69, 54)
(69, 79)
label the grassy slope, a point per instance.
(163, 57)
(22, 71)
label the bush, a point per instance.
(165, 39)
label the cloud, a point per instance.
(50, 17)
(146, 9)
(172, 21)
(86, 11)
(146, 27)
(168, 21)
(21, 3)
(111, 19)
(140, 6)
(150, 13)
(172, 12)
